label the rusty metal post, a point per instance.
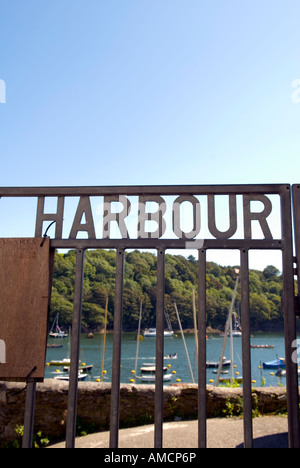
(288, 305)
(117, 342)
(202, 413)
(75, 350)
(246, 350)
(29, 414)
(159, 373)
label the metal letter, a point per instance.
(84, 207)
(212, 218)
(260, 217)
(157, 216)
(58, 217)
(109, 217)
(196, 217)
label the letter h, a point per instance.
(57, 217)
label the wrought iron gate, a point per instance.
(153, 218)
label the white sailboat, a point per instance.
(168, 333)
(58, 333)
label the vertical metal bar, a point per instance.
(75, 350)
(117, 342)
(29, 414)
(159, 383)
(202, 424)
(246, 349)
(288, 306)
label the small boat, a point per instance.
(54, 346)
(171, 356)
(66, 378)
(262, 346)
(58, 333)
(64, 362)
(215, 365)
(228, 380)
(148, 374)
(151, 369)
(151, 378)
(276, 364)
(151, 333)
(83, 368)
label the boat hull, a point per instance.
(277, 364)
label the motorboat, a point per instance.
(63, 362)
(152, 378)
(148, 374)
(276, 364)
(151, 333)
(215, 365)
(66, 377)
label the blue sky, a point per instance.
(125, 92)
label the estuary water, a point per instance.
(91, 353)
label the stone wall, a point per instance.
(137, 406)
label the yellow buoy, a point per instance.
(98, 380)
(104, 372)
(271, 373)
(131, 380)
(174, 372)
(133, 371)
(178, 380)
(211, 381)
(169, 365)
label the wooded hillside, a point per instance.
(140, 285)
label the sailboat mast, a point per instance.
(104, 338)
(228, 330)
(184, 343)
(138, 340)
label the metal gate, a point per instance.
(174, 217)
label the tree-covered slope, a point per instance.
(140, 285)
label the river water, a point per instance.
(91, 353)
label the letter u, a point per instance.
(212, 218)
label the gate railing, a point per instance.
(177, 217)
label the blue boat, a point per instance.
(277, 364)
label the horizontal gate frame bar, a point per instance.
(267, 189)
(155, 244)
